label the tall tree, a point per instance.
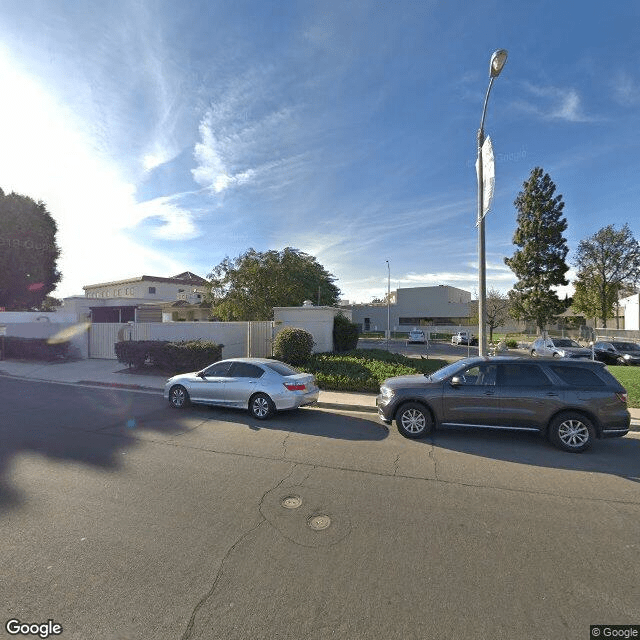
(498, 306)
(607, 263)
(28, 252)
(248, 287)
(539, 263)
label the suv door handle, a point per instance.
(552, 394)
(490, 392)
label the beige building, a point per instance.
(412, 307)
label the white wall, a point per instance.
(75, 333)
(318, 321)
(631, 312)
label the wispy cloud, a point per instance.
(626, 89)
(554, 103)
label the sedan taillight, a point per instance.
(294, 387)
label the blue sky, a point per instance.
(164, 136)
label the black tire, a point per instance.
(179, 397)
(414, 420)
(261, 406)
(572, 432)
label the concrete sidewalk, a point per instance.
(111, 373)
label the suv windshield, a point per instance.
(449, 370)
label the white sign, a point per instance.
(488, 176)
(3, 330)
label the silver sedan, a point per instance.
(260, 385)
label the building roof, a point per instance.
(182, 278)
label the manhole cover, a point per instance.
(318, 523)
(292, 502)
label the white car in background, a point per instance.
(416, 335)
(463, 337)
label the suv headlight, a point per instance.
(386, 393)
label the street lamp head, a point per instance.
(498, 60)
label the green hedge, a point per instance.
(345, 334)
(172, 357)
(34, 349)
(364, 369)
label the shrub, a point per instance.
(35, 349)
(364, 370)
(512, 344)
(172, 357)
(293, 345)
(345, 334)
(193, 355)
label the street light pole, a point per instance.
(388, 304)
(498, 60)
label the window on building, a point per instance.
(152, 289)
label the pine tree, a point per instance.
(539, 263)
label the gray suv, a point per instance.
(569, 401)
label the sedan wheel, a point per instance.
(533, 353)
(178, 397)
(261, 406)
(414, 420)
(572, 432)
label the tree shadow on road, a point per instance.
(93, 427)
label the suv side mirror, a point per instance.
(456, 381)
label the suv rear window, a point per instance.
(577, 376)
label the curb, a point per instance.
(634, 427)
(345, 407)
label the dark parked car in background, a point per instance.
(617, 352)
(571, 402)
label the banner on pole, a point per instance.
(488, 176)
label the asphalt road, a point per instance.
(121, 518)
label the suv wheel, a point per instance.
(414, 420)
(571, 432)
(533, 353)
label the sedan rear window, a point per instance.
(281, 368)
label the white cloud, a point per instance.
(626, 89)
(555, 103)
(49, 154)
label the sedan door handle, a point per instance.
(552, 394)
(490, 393)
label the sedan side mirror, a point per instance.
(201, 374)
(456, 381)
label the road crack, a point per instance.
(207, 596)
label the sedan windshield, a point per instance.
(565, 343)
(626, 346)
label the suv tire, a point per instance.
(572, 431)
(414, 420)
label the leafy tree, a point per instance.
(539, 263)
(497, 310)
(607, 263)
(28, 252)
(248, 287)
